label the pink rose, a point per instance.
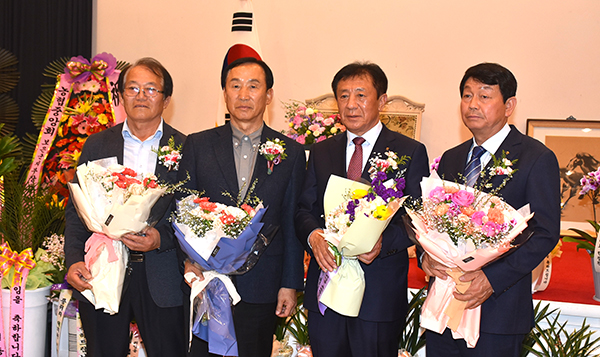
(328, 121)
(301, 139)
(463, 198)
(321, 138)
(490, 229)
(477, 218)
(438, 194)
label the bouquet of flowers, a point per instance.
(111, 200)
(308, 125)
(464, 229)
(223, 241)
(355, 217)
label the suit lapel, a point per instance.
(512, 147)
(223, 151)
(338, 155)
(381, 146)
(260, 166)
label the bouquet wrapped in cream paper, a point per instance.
(223, 240)
(356, 215)
(464, 229)
(111, 200)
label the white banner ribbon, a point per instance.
(199, 285)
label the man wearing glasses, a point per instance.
(152, 297)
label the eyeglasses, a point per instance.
(149, 92)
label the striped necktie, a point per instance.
(474, 166)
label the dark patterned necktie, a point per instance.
(355, 166)
(474, 166)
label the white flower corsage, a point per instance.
(169, 155)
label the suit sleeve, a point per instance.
(293, 267)
(309, 205)
(76, 234)
(542, 191)
(395, 238)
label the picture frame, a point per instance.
(576, 144)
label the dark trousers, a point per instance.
(161, 329)
(337, 335)
(254, 328)
(488, 345)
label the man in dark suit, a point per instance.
(503, 288)
(227, 159)
(153, 296)
(360, 91)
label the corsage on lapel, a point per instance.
(274, 151)
(169, 155)
(502, 166)
(389, 164)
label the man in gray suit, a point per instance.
(153, 296)
(227, 159)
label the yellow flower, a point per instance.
(83, 107)
(308, 132)
(291, 125)
(333, 130)
(102, 119)
(382, 213)
(359, 193)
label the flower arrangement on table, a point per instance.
(309, 125)
(356, 214)
(112, 200)
(222, 240)
(462, 228)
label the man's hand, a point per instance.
(78, 276)
(479, 290)
(193, 268)
(432, 267)
(286, 302)
(145, 241)
(368, 258)
(321, 251)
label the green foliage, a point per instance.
(411, 339)
(295, 324)
(29, 214)
(556, 341)
(540, 314)
(9, 78)
(585, 240)
(9, 149)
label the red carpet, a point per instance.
(571, 279)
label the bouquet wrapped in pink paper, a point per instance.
(464, 229)
(223, 240)
(356, 215)
(111, 200)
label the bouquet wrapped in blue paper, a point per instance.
(223, 240)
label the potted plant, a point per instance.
(28, 215)
(590, 183)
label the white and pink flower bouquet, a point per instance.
(274, 151)
(356, 215)
(111, 200)
(464, 229)
(309, 125)
(169, 155)
(223, 240)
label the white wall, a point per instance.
(552, 47)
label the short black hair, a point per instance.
(359, 69)
(492, 74)
(246, 60)
(155, 67)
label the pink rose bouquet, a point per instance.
(309, 126)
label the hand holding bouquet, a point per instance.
(111, 200)
(355, 217)
(222, 240)
(464, 229)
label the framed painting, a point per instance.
(576, 144)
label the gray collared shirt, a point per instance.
(245, 149)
